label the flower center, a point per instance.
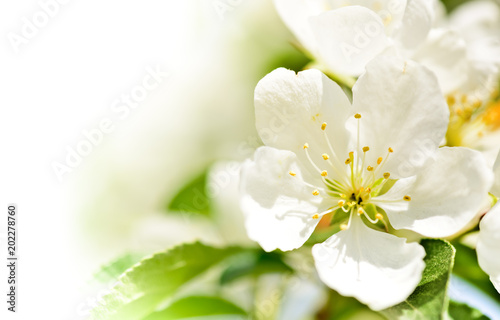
(352, 182)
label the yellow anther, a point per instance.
(324, 173)
(315, 192)
(387, 175)
(323, 126)
(368, 190)
(360, 211)
(369, 168)
(353, 203)
(342, 195)
(365, 149)
(407, 198)
(348, 160)
(351, 155)
(391, 150)
(343, 226)
(293, 174)
(451, 100)
(316, 216)
(325, 156)
(361, 189)
(379, 216)
(379, 160)
(341, 203)
(306, 145)
(357, 116)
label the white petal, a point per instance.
(495, 190)
(348, 38)
(290, 109)
(391, 12)
(444, 52)
(447, 194)
(378, 269)
(488, 245)
(278, 207)
(402, 108)
(295, 14)
(417, 22)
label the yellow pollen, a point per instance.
(343, 227)
(360, 211)
(451, 100)
(323, 126)
(347, 161)
(368, 190)
(365, 149)
(324, 173)
(315, 192)
(407, 198)
(325, 156)
(379, 216)
(370, 168)
(391, 150)
(357, 116)
(316, 216)
(341, 203)
(342, 195)
(293, 174)
(306, 145)
(387, 175)
(379, 160)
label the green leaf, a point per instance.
(192, 197)
(429, 300)
(156, 278)
(460, 311)
(254, 263)
(112, 270)
(191, 307)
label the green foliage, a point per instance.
(460, 311)
(254, 264)
(192, 197)
(198, 307)
(143, 287)
(429, 300)
(112, 270)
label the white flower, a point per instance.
(325, 156)
(488, 245)
(344, 35)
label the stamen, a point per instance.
(343, 226)
(293, 174)
(341, 203)
(366, 149)
(306, 145)
(324, 173)
(379, 216)
(390, 150)
(323, 126)
(369, 168)
(357, 116)
(387, 175)
(342, 195)
(316, 216)
(315, 192)
(379, 160)
(348, 161)
(325, 156)
(407, 198)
